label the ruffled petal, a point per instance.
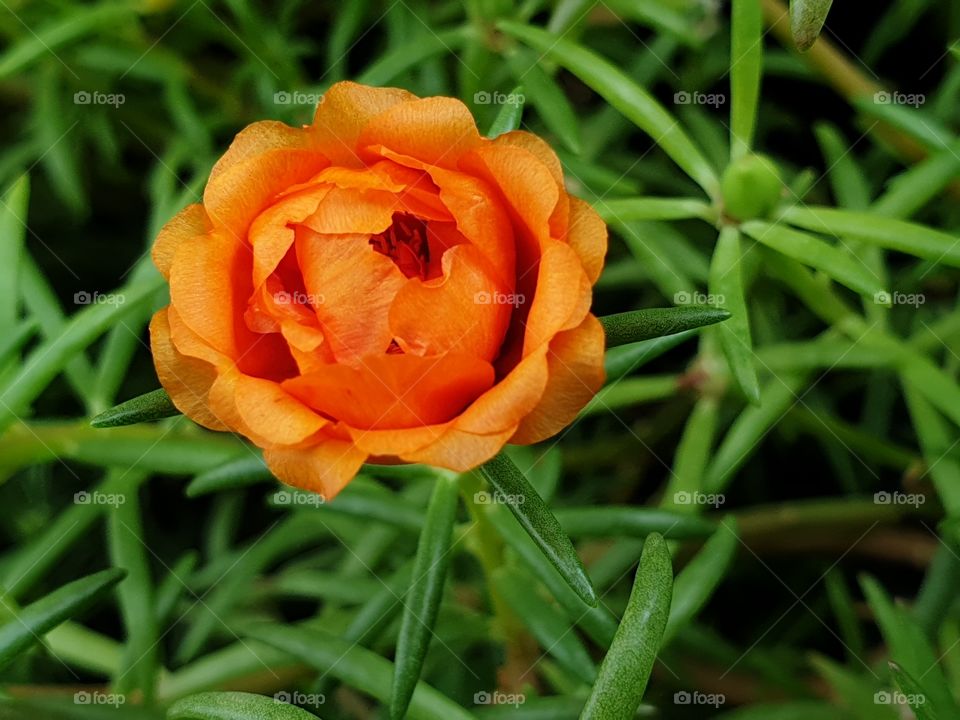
(576, 374)
(436, 130)
(186, 225)
(345, 111)
(186, 379)
(324, 468)
(463, 311)
(394, 391)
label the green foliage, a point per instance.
(800, 215)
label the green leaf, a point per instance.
(746, 67)
(423, 598)
(128, 550)
(48, 358)
(13, 228)
(625, 95)
(630, 521)
(509, 116)
(744, 435)
(513, 489)
(547, 97)
(38, 618)
(236, 706)
(913, 693)
(700, 577)
(597, 621)
(626, 668)
(240, 472)
(936, 438)
(78, 22)
(909, 648)
(636, 325)
(355, 666)
(632, 391)
(726, 281)
(151, 406)
(886, 232)
(806, 20)
(654, 208)
(693, 452)
(546, 623)
(394, 63)
(624, 359)
(816, 253)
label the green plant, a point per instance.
(818, 408)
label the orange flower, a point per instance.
(384, 285)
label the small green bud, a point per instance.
(751, 187)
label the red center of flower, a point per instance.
(405, 242)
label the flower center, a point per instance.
(405, 242)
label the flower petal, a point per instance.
(187, 380)
(189, 223)
(324, 468)
(354, 287)
(587, 235)
(436, 130)
(463, 311)
(345, 111)
(394, 391)
(576, 374)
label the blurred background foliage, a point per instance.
(792, 415)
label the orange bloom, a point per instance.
(384, 285)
